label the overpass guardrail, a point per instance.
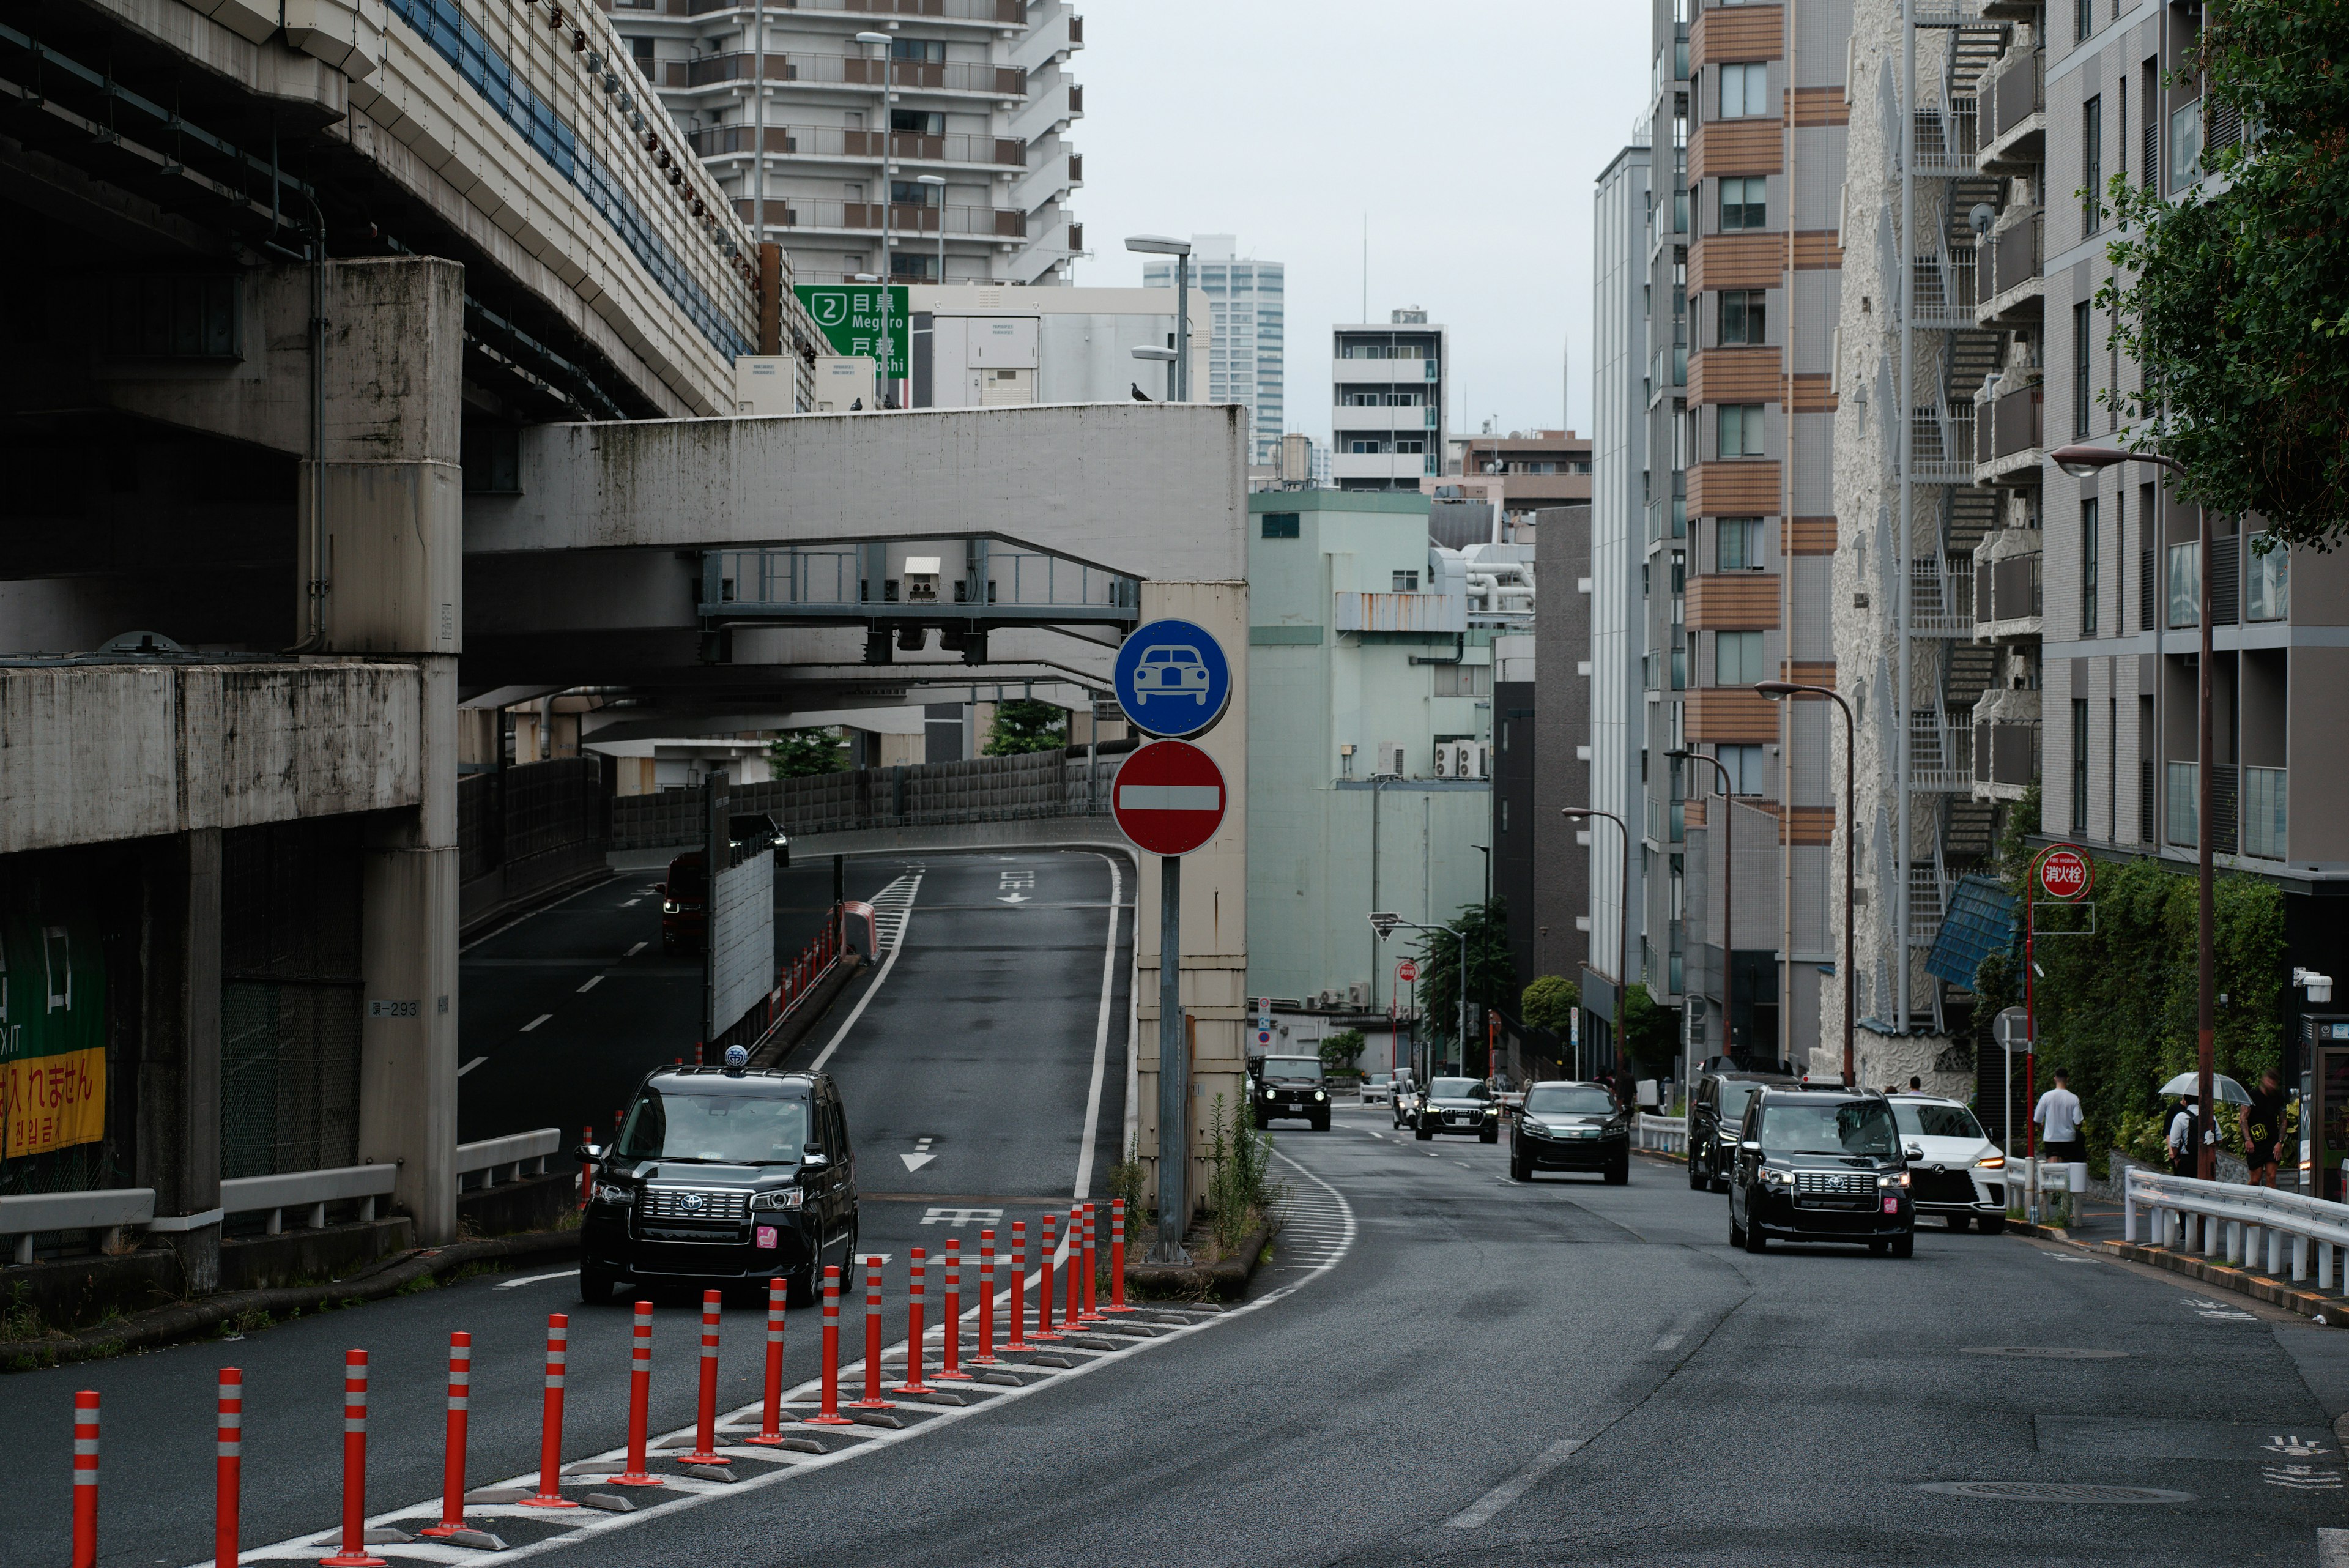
(2218, 1218)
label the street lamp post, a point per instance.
(2083, 463)
(1728, 916)
(888, 71)
(1178, 381)
(1623, 912)
(1776, 690)
(1485, 1009)
(939, 184)
(1383, 924)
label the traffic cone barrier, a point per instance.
(913, 1329)
(550, 1430)
(85, 1485)
(640, 1400)
(1117, 1256)
(228, 1464)
(871, 1400)
(828, 1411)
(1076, 1256)
(1019, 1340)
(452, 1457)
(704, 1427)
(586, 1169)
(1044, 1283)
(354, 1554)
(986, 1356)
(1091, 1313)
(950, 1321)
(771, 1423)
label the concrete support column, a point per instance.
(178, 1078)
(393, 535)
(1214, 939)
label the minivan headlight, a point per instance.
(783, 1198)
(1899, 1180)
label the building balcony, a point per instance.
(987, 14)
(2017, 138)
(905, 222)
(1947, 137)
(1941, 438)
(1940, 752)
(2017, 289)
(1403, 468)
(1401, 612)
(2007, 598)
(2008, 437)
(906, 75)
(1350, 419)
(1380, 372)
(2006, 760)
(819, 142)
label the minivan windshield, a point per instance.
(1292, 1066)
(1843, 1126)
(1568, 1100)
(1935, 1121)
(715, 1130)
(1732, 1100)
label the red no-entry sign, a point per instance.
(1169, 797)
(2065, 873)
(1407, 972)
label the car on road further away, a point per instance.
(1457, 1106)
(1819, 1163)
(1377, 1088)
(1292, 1086)
(1955, 1170)
(721, 1176)
(1403, 1097)
(1571, 1127)
(685, 904)
(1715, 1112)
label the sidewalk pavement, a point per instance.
(2097, 1226)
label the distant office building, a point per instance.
(981, 98)
(1245, 302)
(1387, 389)
(1518, 473)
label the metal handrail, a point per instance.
(311, 1189)
(1659, 1135)
(2213, 1217)
(27, 1214)
(490, 1156)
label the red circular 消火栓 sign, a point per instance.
(2065, 873)
(1168, 797)
(1407, 972)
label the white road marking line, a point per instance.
(1680, 1330)
(901, 893)
(915, 1161)
(1510, 1490)
(593, 981)
(536, 1021)
(635, 951)
(1101, 1031)
(471, 1065)
(535, 1280)
(631, 903)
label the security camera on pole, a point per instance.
(1173, 681)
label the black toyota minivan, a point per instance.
(722, 1176)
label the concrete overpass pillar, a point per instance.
(178, 1078)
(392, 578)
(1214, 952)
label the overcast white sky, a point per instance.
(1470, 132)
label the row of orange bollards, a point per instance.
(1054, 1316)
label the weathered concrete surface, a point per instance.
(91, 753)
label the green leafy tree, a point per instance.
(1550, 1003)
(1343, 1052)
(1022, 726)
(1491, 972)
(803, 753)
(2235, 299)
(1651, 1031)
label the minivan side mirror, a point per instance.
(587, 1153)
(1913, 1151)
(1751, 1146)
(813, 1155)
(662, 888)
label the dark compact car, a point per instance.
(1716, 1111)
(1821, 1165)
(1291, 1086)
(1457, 1106)
(685, 896)
(722, 1176)
(1571, 1127)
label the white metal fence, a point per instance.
(1659, 1135)
(2254, 1226)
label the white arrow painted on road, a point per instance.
(915, 1161)
(1013, 898)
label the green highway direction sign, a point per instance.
(862, 318)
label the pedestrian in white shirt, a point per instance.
(2058, 1116)
(2186, 1140)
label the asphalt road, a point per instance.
(985, 1037)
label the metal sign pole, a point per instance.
(1174, 1070)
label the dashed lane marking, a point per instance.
(593, 981)
(471, 1065)
(536, 1279)
(536, 1021)
(635, 951)
(1508, 1492)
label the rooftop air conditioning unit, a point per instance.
(1358, 995)
(1443, 761)
(1390, 758)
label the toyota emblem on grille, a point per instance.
(1940, 1170)
(693, 1203)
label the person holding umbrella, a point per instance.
(2191, 1126)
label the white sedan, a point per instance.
(1954, 1169)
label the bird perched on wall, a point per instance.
(1139, 395)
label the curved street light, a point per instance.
(1728, 915)
(1383, 925)
(2085, 462)
(1775, 691)
(1623, 914)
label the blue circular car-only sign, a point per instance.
(1172, 679)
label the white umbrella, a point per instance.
(2226, 1089)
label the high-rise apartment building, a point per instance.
(1387, 392)
(2051, 626)
(1733, 560)
(970, 148)
(1245, 302)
